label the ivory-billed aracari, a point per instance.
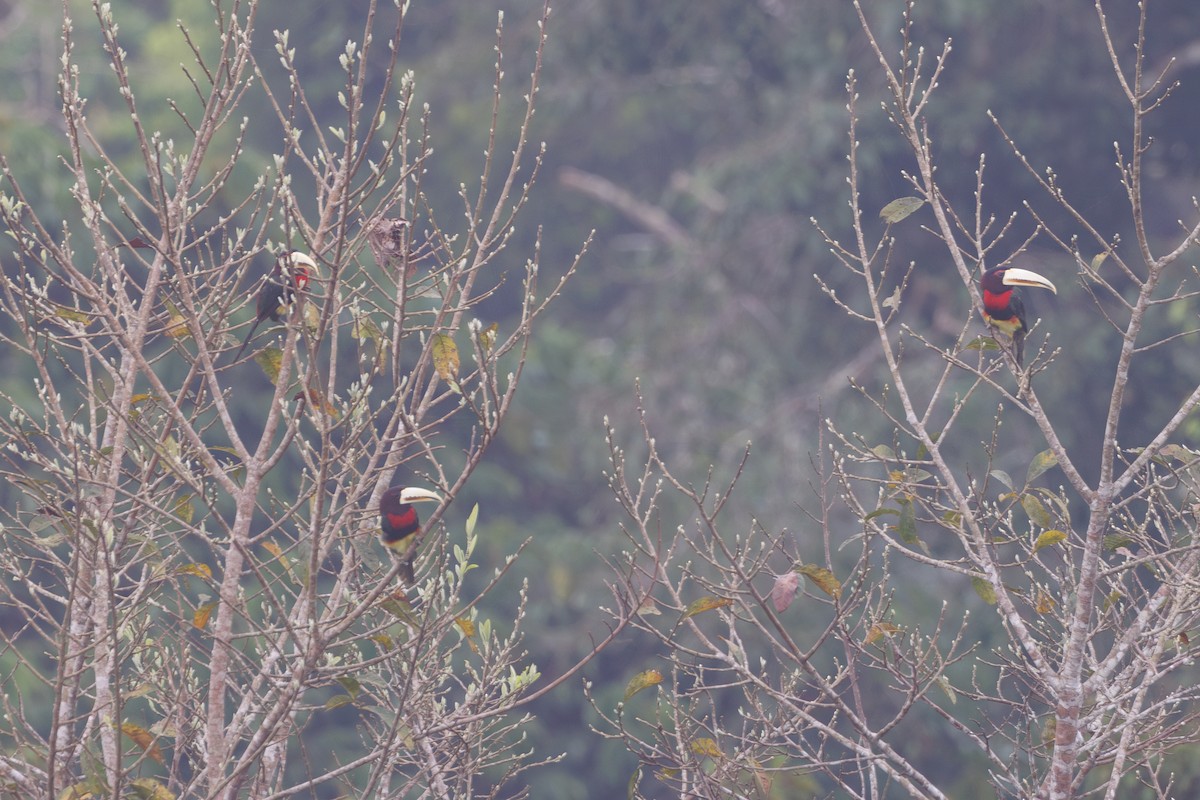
(1002, 306)
(399, 524)
(292, 274)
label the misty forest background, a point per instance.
(698, 138)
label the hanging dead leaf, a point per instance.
(784, 590)
(143, 739)
(202, 613)
(649, 608)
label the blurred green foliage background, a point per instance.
(728, 116)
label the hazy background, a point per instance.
(719, 127)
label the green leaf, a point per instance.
(472, 518)
(1041, 462)
(883, 452)
(185, 509)
(634, 779)
(1048, 539)
(922, 450)
(1115, 540)
(1097, 260)
(1002, 476)
(879, 512)
(1037, 512)
(900, 208)
(985, 590)
(270, 360)
(906, 527)
(351, 685)
(981, 343)
(643, 680)
(338, 701)
(1179, 453)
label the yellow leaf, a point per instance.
(1048, 538)
(200, 615)
(177, 327)
(1045, 603)
(199, 570)
(643, 680)
(72, 315)
(487, 337)
(467, 627)
(445, 357)
(881, 629)
(274, 549)
(150, 789)
(706, 603)
(143, 739)
(706, 747)
(823, 578)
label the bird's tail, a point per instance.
(246, 341)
